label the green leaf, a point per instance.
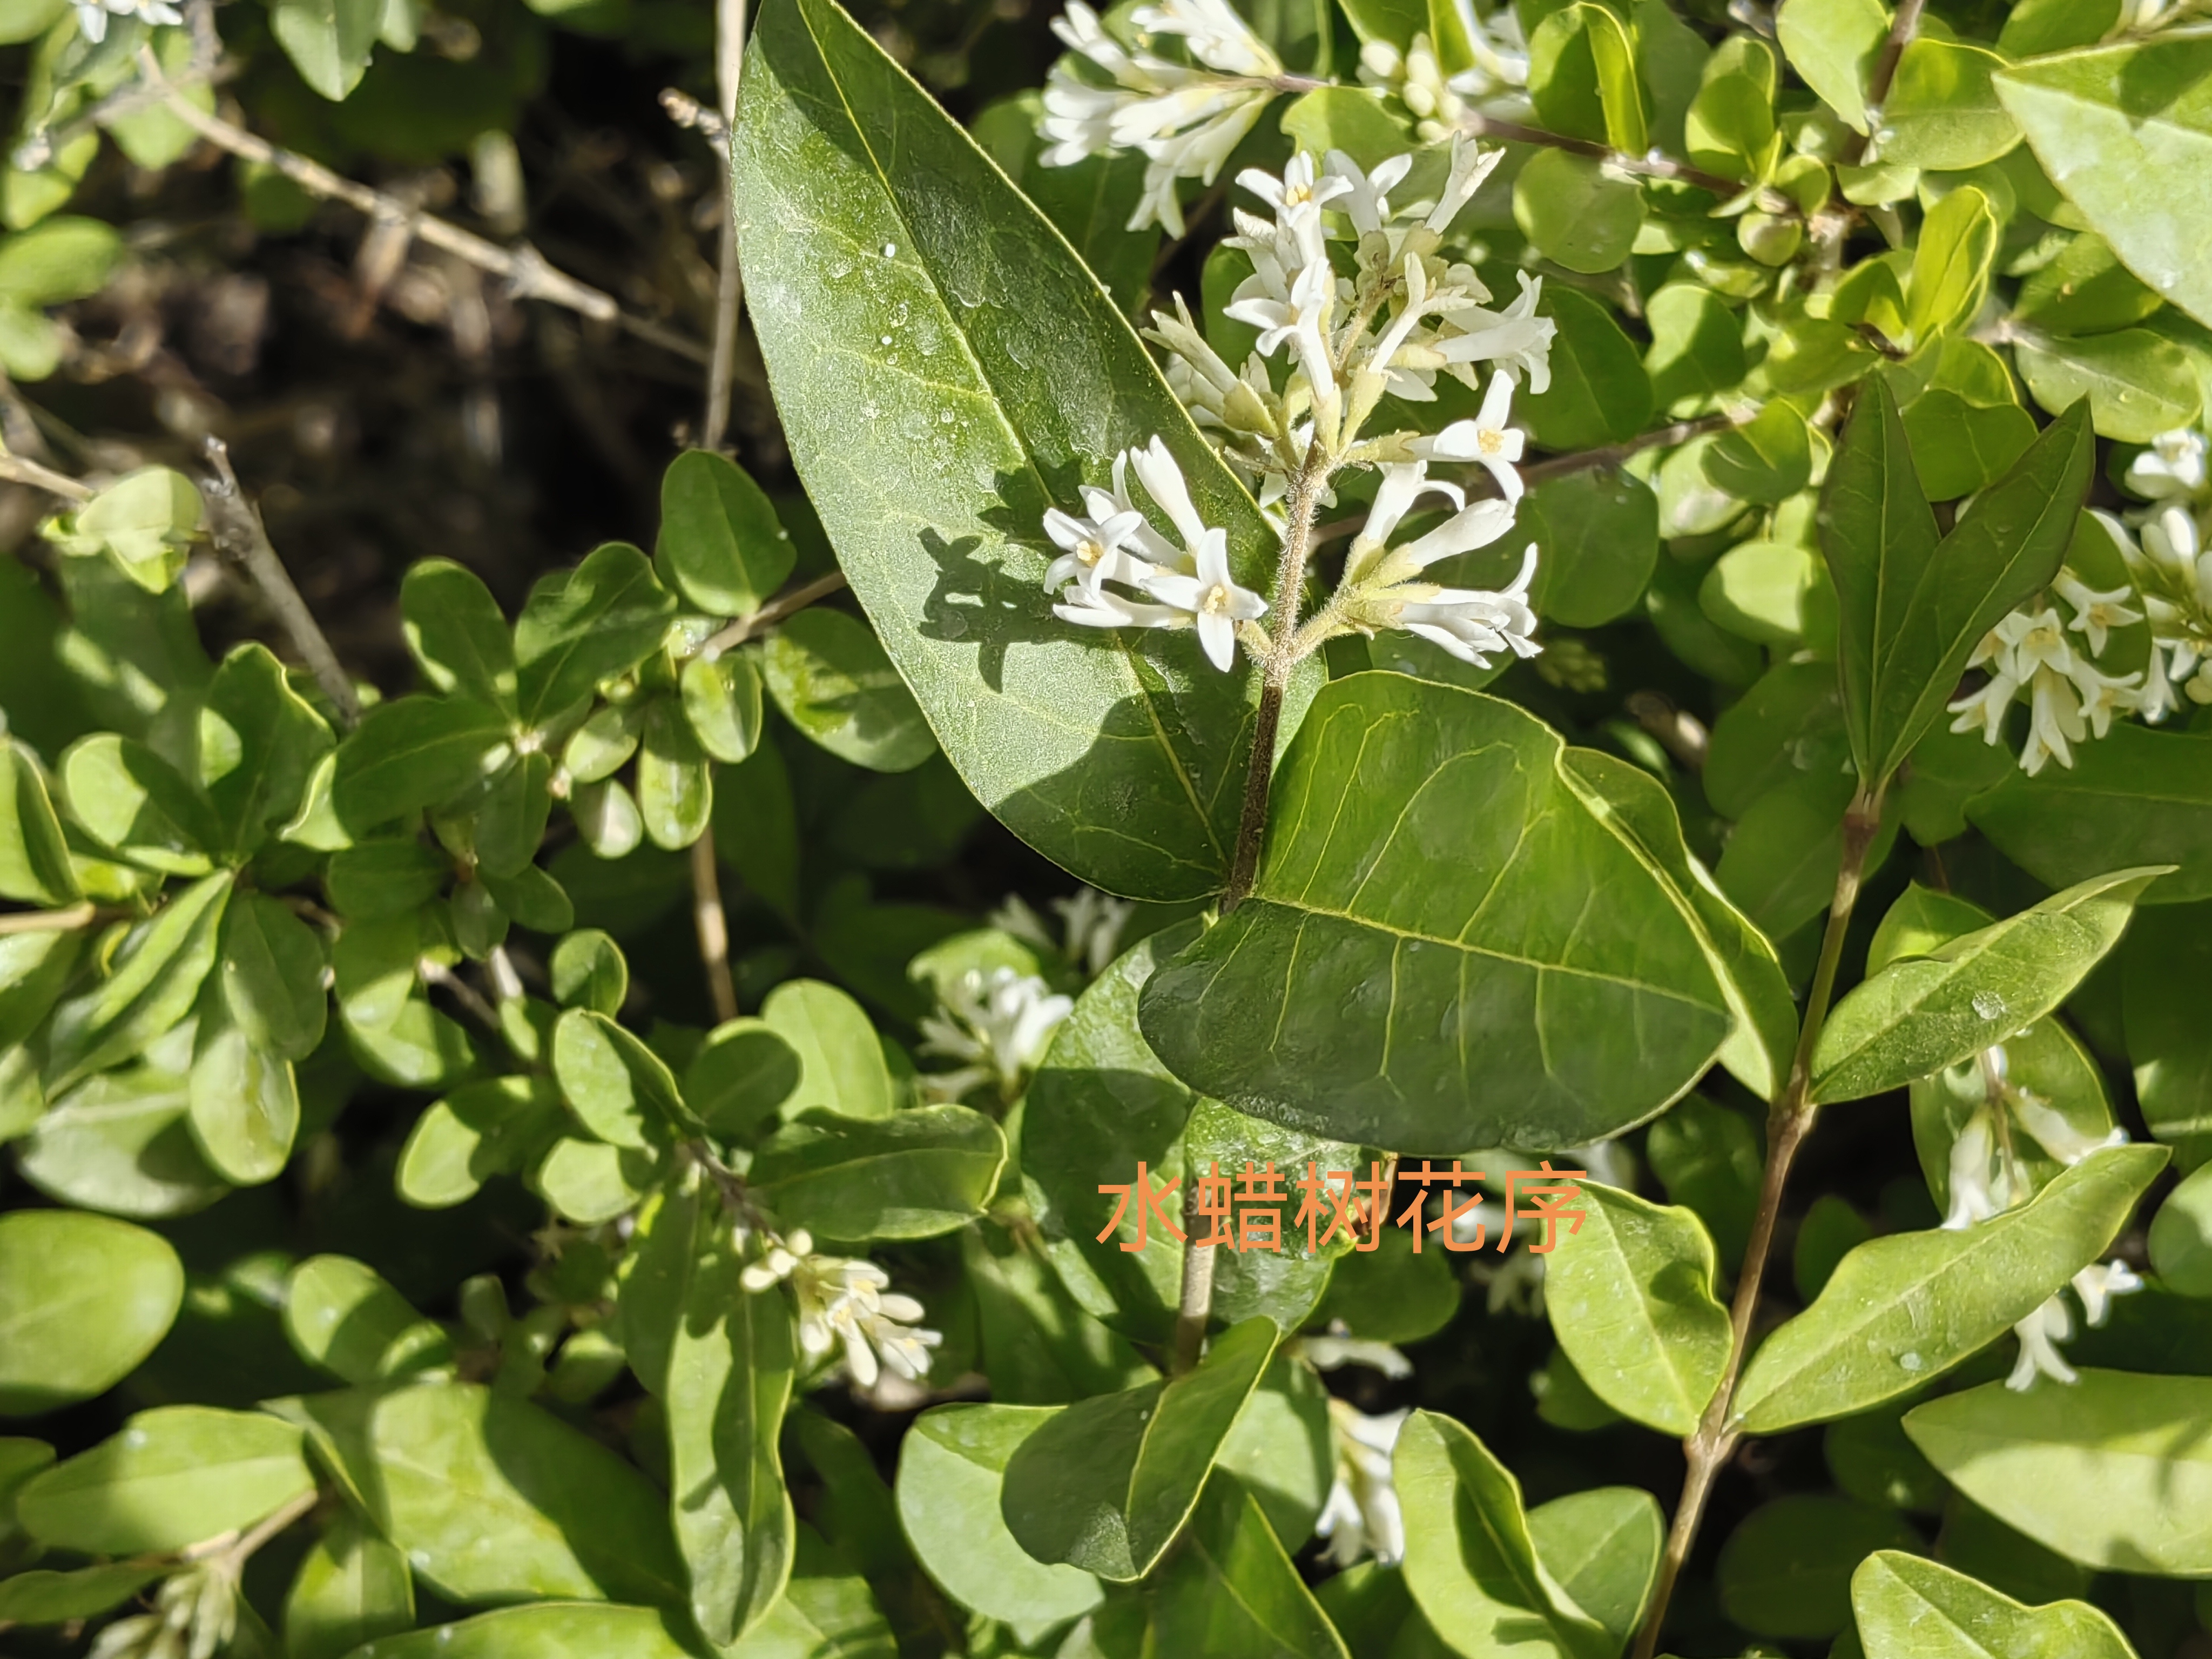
(840, 1063)
(177, 1475)
(1358, 120)
(1599, 393)
(1230, 1589)
(1107, 1483)
(730, 1365)
(1786, 1569)
(1359, 931)
(144, 521)
(34, 861)
(413, 753)
(1630, 1296)
(1697, 349)
(2116, 126)
(721, 544)
(675, 791)
(388, 876)
(1602, 1546)
(2137, 384)
(591, 1183)
(1909, 1609)
(82, 1300)
(932, 458)
(343, 1317)
(586, 625)
(1775, 593)
(549, 1630)
(622, 1092)
(722, 701)
(1766, 460)
(1959, 444)
(458, 632)
(1283, 1449)
(2085, 290)
(741, 1076)
(1730, 124)
(60, 1598)
(1581, 73)
(831, 678)
(1578, 213)
(1911, 612)
(1833, 45)
(588, 972)
(1470, 1562)
(2181, 1237)
(351, 1588)
(492, 1498)
(329, 41)
(1600, 532)
(2136, 796)
(271, 967)
(63, 258)
(1951, 265)
(245, 1101)
(1090, 202)
(1943, 111)
(130, 799)
(951, 1465)
(1917, 1016)
(2113, 1472)
(1902, 1310)
(1101, 1103)
(259, 743)
(497, 1126)
(914, 1174)
(153, 981)
(119, 1143)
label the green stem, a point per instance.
(1709, 1449)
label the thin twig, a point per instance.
(1195, 1306)
(1709, 1449)
(729, 280)
(1902, 28)
(523, 269)
(772, 613)
(16, 470)
(238, 533)
(67, 920)
(712, 924)
(1652, 165)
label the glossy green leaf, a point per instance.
(351, 1588)
(35, 865)
(82, 1300)
(119, 1143)
(329, 41)
(1470, 1562)
(913, 1175)
(1951, 265)
(458, 632)
(47, 1597)
(740, 1077)
(343, 1317)
(1283, 1449)
(1902, 1310)
(1599, 393)
(2085, 290)
(1911, 613)
(2136, 797)
(271, 965)
(245, 1101)
(2115, 126)
(510, 815)
(951, 1465)
(1602, 1546)
(1911, 1608)
(177, 1475)
(585, 625)
(259, 743)
(591, 1183)
(833, 680)
(1730, 124)
(1360, 929)
(840, 1063)
(721, 544)
(2137, 385)
(623, 1092)
(1767, 460)
(548, 1629)
(496, 1126)
(130, 800)
(1106, 1484)
(1697, 346)
(2181, 1237)
(864, 205)
(1774, 592)
(722, 702)
(492, 1498)
(1576, 211)
(1630, 1296)
(414, 752)
(1833, 45)
(1786, 1569)
(1230, 1589)
(1942, 111)
(1918, 1016)
(2113, 1471)
(152, 983)
(675, 790)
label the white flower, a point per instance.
(2038, 640)
(1103, 608)
(1367, 203)
(2097, 1286)
(781, 1260)
(2103, 696)
(2039, 1334)
(1470, 622)
(1299, 190)
(2054, 721)
(2096, 612)
(92, 15)
(1470, 164)
(1094, 922)
(1515, 339)
(1335, 1348)
(1092, 550)
(1000, 1026)
(2170, 538)
(1972, 1197)
(2054, 1133)
(845, 1302)
(2172, 465)
(1485, 440)
(1362, 1516)
(1211, 597)
(1219, 37)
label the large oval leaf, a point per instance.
(1909, 1608)
(82, 1300)
(178, 1476)
(946, 370)
(1446, 946)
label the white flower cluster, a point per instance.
(1185, 117)
(998, 1026)
(1985, 1179)
(1091, 924)
(92, 15)
(1494, 85)
(844, 1301)
(2028, 656)
(1362, 1517)
(2172, 571)
(195, 1615)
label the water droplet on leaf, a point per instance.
(1989, 1005)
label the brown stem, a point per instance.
(1652, 165)
(1195, 1304)
(712, 925)
(1902, 28)
(1275, 677)
(730, 286)
(16, 470)
(1792, 1120)
(772, 613)
(237, 532)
